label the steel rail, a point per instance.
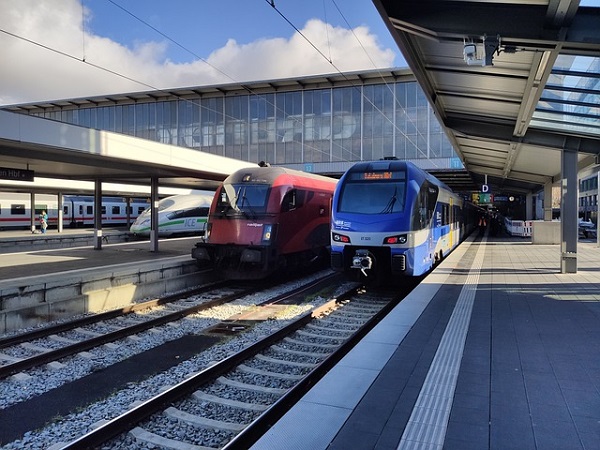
(127, 420)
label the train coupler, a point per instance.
(362, 260)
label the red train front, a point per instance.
(265, 219)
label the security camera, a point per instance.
(470, 51)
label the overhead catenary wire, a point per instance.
(344, 75)
(84, 60)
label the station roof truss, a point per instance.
(512, 82)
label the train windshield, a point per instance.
(162, 204)
(368, 194)
(248, 199)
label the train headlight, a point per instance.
(340, 238)
(207, 231)
(391, 240)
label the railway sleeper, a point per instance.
(34, 348)
(62, 339)
(8, 358)
(346, 320)
(203, 422)
(147, 437)
(320, 336)
(204, 397)
(298, 352)
(282, 376)
(311, 344)
(345, 331)
(250, 387)
(285, 362)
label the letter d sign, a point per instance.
(485, 188)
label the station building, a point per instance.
(320, 124)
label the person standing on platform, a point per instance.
(482, 225)
(43, 221)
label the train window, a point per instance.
(424, 207)
(372, 197)
(90, 209)
(116, 210)
(66, 209)
(18, 210)
(193, 212)
(141, 209)
(39, 208)
(103, 210)
(289, 201)
(249, 198)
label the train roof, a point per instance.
(187, 200)
(269, 174)
(394, 164)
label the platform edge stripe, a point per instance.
(448, 354)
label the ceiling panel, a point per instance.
(486, 99)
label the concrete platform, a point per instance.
(495, 350)
(50, 283)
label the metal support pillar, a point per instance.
(548, 202)
(568, 212)
(128, 211)
(97, 215)
(529, 206)
(59, 225)
(32, 212)
(154, 215)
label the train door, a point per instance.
(86, 214)
(451, 223)
(113, 214)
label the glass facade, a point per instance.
(301, 126)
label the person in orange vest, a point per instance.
(482, 225)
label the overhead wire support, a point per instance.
(301, 34)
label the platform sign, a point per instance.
(485, 199)
(6, 173)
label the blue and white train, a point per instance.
(390, 219)
(177, 214)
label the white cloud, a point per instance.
(31, 73)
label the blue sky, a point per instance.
(204, 26)
(73, 48)
(57, 49)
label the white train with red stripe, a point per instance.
(78, 211)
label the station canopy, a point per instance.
(513, 82)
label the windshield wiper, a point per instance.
(389, 208)
(245, 200)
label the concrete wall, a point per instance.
(88, 291)
(545, 232)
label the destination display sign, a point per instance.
(7, 173)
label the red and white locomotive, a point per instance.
(264, 219)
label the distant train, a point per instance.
(390, 219)
(177, 214)
(265, 219)
(78, 211)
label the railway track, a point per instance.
(230, 404)
(50, 344)
(255, 308)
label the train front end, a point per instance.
(243, 226)
(370, 228)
